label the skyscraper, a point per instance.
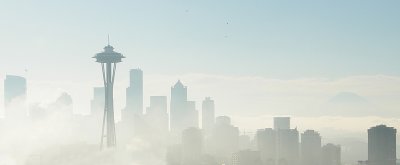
(287, 146)
(157, 115)
(15, 96)
(266, 144)
(310, 148)
(178, 107)
(134, 94)
(208, 114)
(281, 123)
(191, 118)
(279, 146)
(382, 145)
(331, 154)
(225, 139)
(158, 105)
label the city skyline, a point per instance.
(204, 82)
(286, 51)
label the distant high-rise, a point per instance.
(178, 109)
(331, 154)
(208, 114)
(15, 96)
(157, 115)
(279, 146)
(287, 146)
(97, 103)
(225, 138)
(134, 93)
(191, 118)
(178, 105)
(382, 145)
(281, 123)
(310, 148)
(158, 105)
(266, 140)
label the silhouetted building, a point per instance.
(287, 146)
(208, 114)
(281, 123)
(183, 113)
(279, 146)
(133, 122)
(266, 141)
(310, 148)
(225, 139)
(134, 95)
(97, 103)
(331, 154)
(178, 107)
(191, 118)
(192, 146)
(246, 157)
(157, 115)
(382, 145)
(15, 97)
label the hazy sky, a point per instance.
(311, 42)
(266, 38)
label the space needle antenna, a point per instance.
(108, 39)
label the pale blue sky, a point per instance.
(279, 39)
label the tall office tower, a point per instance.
(266, 144)
(225, 139)
(157, 115)
(192, 146)
(15, 97)
(246, 157)
(134, 94)
(208, 115)
(331, 154)
(97, 103)
(310, 148)
(281, 123)
(108, 60)
(381, 145)
(178, 107)
(287, 147)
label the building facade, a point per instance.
(382, 145)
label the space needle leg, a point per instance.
(112, 83)
(105, 108)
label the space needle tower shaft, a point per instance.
(108, 60)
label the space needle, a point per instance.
(108, 60)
